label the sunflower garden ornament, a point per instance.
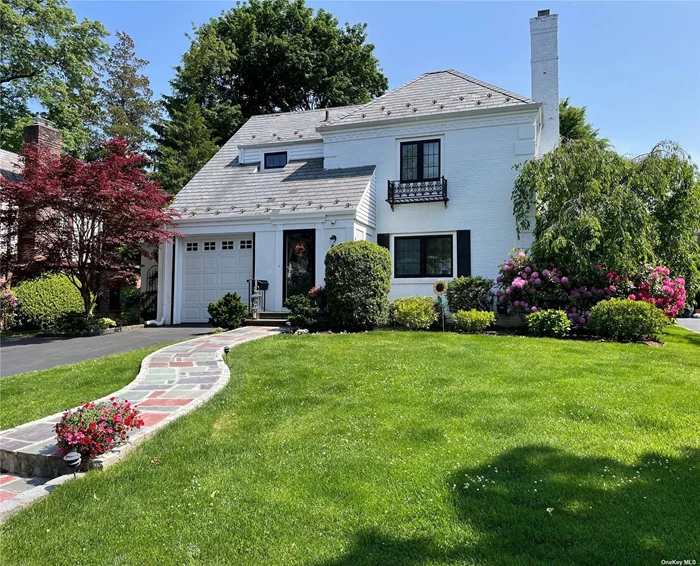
(440, 288)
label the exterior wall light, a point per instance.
(334, 239)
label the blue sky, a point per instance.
(635, 65)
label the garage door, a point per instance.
(212, 268)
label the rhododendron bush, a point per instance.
(95, 428)
(527, 285)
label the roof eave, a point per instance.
(447, 115)
(278, 142)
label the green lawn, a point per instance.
(404, 448)
(29, 396)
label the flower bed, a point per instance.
(527, 285)
(95, 428)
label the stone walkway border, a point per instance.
(172, 382)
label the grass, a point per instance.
(25, 397)
(404, 448)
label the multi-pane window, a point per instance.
(227, 245)
(275, 160)
(192, 246)
(423, 256)
(246, 244)
(420, 160)
(209, 246)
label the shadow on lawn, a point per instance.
(538, 505)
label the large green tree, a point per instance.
(49, 58)
(573, 124)
(187, 144)
(593, 206)
(127, 96)
(272, 56)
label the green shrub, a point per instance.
(228, 312)
(131, 302)
(625, 320)
(473, 320)
(470, 293)
(80, 322)
(302, 311)
(414, 313)
(549, 322)
(358, 278)
(46, 299)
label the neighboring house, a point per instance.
(424, 170)
(42, 132)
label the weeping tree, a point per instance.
(590, 205)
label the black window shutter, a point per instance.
(464, 253)
(383, 240)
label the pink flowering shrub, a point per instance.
(95, 428)
(654, 285)
(9, 309)
(527, 285)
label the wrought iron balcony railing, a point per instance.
(406, 192)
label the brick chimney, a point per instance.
(44, 132)
(544, 64)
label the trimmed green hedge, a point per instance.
(473, 321)
(467, 293)
(414, 313)
(549, 322)
(625, 320)
(358, 279)
(47, 299)
(228, 312)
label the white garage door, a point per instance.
(213, 267)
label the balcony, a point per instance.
(408, 192)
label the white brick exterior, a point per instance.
(477, 158)
(544, 52)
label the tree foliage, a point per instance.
(86, 218)
(50, 58)
(592, 206)
(127, 96)
(269, 56)
(573, 125)
(186, 145)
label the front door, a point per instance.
(299, 262)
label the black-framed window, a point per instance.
(420, 160)
(275, 160)
(423, 256)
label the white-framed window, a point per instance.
(228, 245)
(276, 160)
(246, 244)
(192, 246)
(209, 246)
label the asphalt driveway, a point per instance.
(689, 323)
(18, 355)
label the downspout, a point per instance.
(172, 289)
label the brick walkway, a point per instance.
(172, 382)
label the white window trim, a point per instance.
(422, 280)
(407, 139)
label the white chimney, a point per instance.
(544, 62)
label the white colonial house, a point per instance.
(425, 170)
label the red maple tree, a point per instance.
(87, 219)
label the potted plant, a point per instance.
(318, 294)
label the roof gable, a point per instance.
(432, 94)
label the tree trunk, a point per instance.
(87, 299)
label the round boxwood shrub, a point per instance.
(414, 313)
(302, 312)
(625, 320)
(358, 279)
(228, 312)
(549, 322)
(467, 293)
(47, 299)
(473, 320)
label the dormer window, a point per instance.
(275, 160)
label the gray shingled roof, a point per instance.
(285, 127)
(9, 165)
(432, 94)
(224, 188)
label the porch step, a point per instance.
(277, 315)
(265, 322)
